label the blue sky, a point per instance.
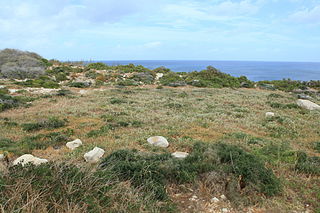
(264, 30)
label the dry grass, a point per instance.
(183, 116)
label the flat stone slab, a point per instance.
(308, 104)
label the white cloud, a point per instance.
(309, 16)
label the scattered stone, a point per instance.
(180, 155)
(74, 144)
(223, 197)
(2, 86)
(159, 75)
(94, 155)
(27, 158)
(215, 200)
(194, 198)
(308, 104)
(1, 157)
(270, 114)
(158, 141)
(224, 210)
(82, 92)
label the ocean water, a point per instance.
(254, 70)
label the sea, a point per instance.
(254, 70)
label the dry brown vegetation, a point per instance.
(184, 116)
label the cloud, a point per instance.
(308, 16)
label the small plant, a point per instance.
(307, 164)
(317, 146)
(117, 101)
(50, 123)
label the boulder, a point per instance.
(158, 141)
(94, 155)
(308, 104)
(27, 158)
(270, 114)
(74, 144)
(180, 155)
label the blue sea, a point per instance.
(254, 70)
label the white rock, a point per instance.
(94, 155)
(224, 210)
(27, 158)
(82, 92)
(223, 197)
(159, 75)
(158, 141)
(180, 155)
(74, 144)
(307, 104)
(214, 200)
(2, 86)
(1, 157)
(270, 114)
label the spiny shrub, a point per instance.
(152, 171)
(79, 84)
(42, 81)
(7, 101)
(29, 143)
(307, 164)
(98, 66)
(317, 146)
(50, 123)
(58, 187)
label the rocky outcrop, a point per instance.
(306, 104)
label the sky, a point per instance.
(250, 30)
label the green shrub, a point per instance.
(170, 78)
(79, 84)
(317, 146)
(8, 101)
(307, 164)
(118, 101)
(42, 81)
(151, 172)
(50, 123)
(98, 66)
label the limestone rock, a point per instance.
(180, 155)
(74, 144)
(94, 155)
(1, 157)
(308, 104)
(27, 158)
(270, 114)
(158, 141)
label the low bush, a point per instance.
(97, 66)
(42, 81)
(307, 164)
(79, 84)
(29, 143)
(7, 101)
(50, 123)
(150, 172)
